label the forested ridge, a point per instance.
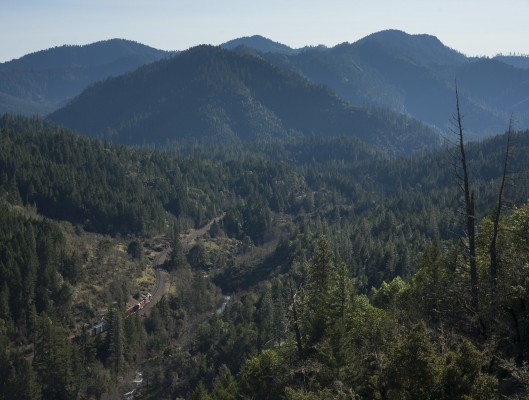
(211, 94)
(43, 81)
(346, 269)
(414, 74)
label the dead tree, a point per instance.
(470, 216)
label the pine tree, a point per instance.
(52, 360)
(225, 385)
(317, 299)
(265, 318)
(177, 257)
(116, 341)
(200, 393)
(339, 320)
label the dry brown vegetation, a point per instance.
(109, 273)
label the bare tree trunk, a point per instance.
(469, 212)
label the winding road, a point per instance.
(158, 261)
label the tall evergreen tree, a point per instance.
(317, 309)
(116, 341)
(225, 385)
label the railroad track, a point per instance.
(157, 292)
(160, 259)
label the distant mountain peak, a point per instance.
(259, 43)
(422, 48)
(87, 55)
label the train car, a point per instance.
(99, 328)
(141, 304)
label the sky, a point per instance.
(473, 27)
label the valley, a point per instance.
(294, 240)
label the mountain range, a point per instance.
(412, 75)
(211, 93)
(416, 75)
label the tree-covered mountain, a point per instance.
(45, 80)
(208, 92)
(259, 43)
(415, 75)
(411, 74)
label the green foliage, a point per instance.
(319, 278)
(379, 288)
(263, 376)
(389, 294)
(116, 341)
(200, 393)
(54, 361)
(32, 264)
(17, 377)
(224, 386)
(462, 377)
(413, 370)
(135, 250)
(196, 257)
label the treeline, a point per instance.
(37, 274)
(37, 279)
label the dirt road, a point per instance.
(195, 233)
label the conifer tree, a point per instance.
(200, 393)
(225, 385)
(52, 360)
(318, 286)
(116, 341)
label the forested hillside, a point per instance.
(414, 75)
(346, 269)
(211, 94)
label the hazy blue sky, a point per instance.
(474, 27)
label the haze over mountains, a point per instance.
(412, 75)
(207, 92)
(41, 82)
(415, 74)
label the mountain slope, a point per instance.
(414, 75)
(43, 81)
(208, 92)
